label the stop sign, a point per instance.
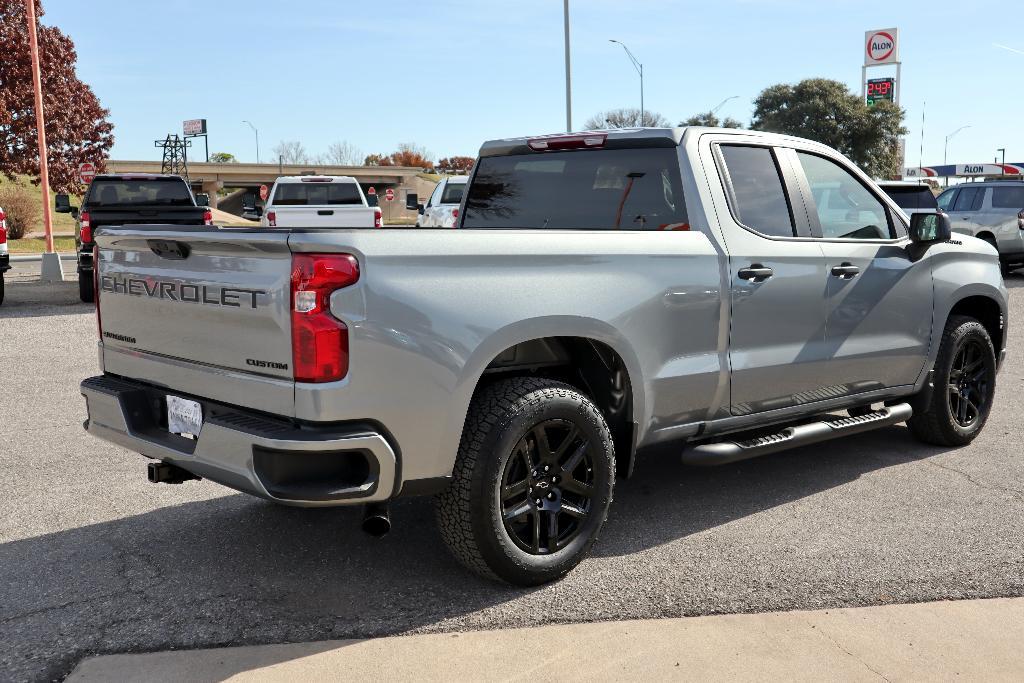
(86, 172)
(264, 192)
(389, 194)
(372, 190)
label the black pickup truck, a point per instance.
(129, 199)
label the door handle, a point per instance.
(755, 272)
(846, 271)
(325, 212)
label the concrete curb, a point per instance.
(28, 258)
(970, 640)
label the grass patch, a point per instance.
(37, 245)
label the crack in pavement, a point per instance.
(818, 628)
(1015, 493)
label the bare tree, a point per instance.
(625, 118)
(291, 152)
(343, 153)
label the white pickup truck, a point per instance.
(319, 201)
(442, 209)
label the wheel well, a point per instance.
(987, 236)
(592, 367)
(987, 312)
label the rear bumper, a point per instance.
(305, 466)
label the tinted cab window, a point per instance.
(911, 196)
(116, 192)
(945, 199)
(969, 199)
(758, 197)
(606, 189)
(316, 194)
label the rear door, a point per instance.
(999, 214)
(777, 272)
(965, 208)
(879, 300)
(320, 203)
(200, 310)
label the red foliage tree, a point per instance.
(409, 154)
(455, 164)
(77, 129)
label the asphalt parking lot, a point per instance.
(93, 559)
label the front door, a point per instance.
(879, 300)
(777, 285)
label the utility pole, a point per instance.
(51, 269)
(568, 72)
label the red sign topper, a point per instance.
(372, 190)
(86, 172)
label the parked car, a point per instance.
(442, 208)
(606, 293)
(5, 259)
(319, 201)
(911, 196)
(992, 210)
(128, 199)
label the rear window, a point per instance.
(164, 191)
(969, 199)
(453, 193)
(1008, 198)
(759, 198)
(911, 197)
(316, 194)
(610, 189)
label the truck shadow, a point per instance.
(236, 570)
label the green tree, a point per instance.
(223, 158)
(826, 111)
(709, 119)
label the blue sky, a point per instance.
(449, 74)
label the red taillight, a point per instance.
(272, 219)
(455, 217)
(86, 231)
(208, 218)
(319, 340)
(3, 229)
(553, 142)
(96, 288)
(378, 218)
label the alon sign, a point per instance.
(881, 47)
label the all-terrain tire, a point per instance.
(85, 291)
(937, 424)
(503, 417)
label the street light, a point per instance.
(254, 130)
(640, 70)
(945, 152)
(722, 103)
(1002, 169)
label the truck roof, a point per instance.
(137, 176)
(316, 179)
(614, 138)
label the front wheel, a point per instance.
(532, 482)
(964, 386)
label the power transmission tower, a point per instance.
(175, 160)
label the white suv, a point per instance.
(442, 209)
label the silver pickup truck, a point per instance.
(603, 293)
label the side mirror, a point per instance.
(412, 201)
(202, 199)
(928, 228)
(62, 204)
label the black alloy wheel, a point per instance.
(546, 487)
(968, 388)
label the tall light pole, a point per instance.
(254, 130)
(722, 103)
(945, 151)
(568, 72)
(640, 70)
(1002, 170)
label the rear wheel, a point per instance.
(85, 291)
(532, 482)
(964, 386)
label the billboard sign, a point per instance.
(881, 47)
(194, 126)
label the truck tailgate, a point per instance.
(323, 216)
(201, 310)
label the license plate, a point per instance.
(184, 416)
